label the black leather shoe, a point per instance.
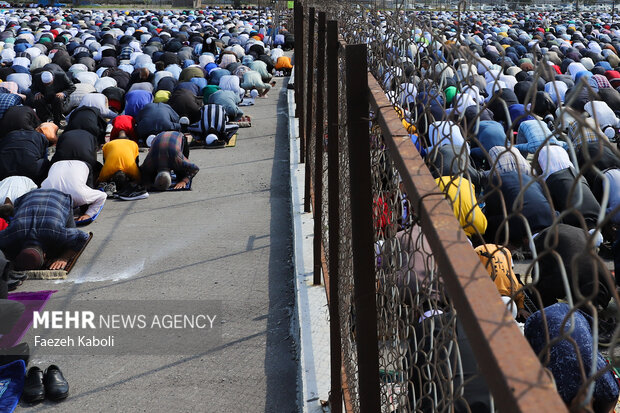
(33, 386)
(56, 387)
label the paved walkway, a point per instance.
(228, 239)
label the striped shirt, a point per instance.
(213, 119)
(509, 160)
(580, 133)
(126, 53)
(8, 100)
(534, 133)
(599, 82)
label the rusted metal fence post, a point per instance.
(362, 228)
(298, 17)
(299, 77)
(333, 185)
(319, 149)
(309, 117)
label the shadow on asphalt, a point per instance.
(280, 358)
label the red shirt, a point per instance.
(123, 123)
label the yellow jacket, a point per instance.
(463, 196)
(498, 262)
(120, 155)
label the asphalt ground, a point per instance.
(229, 240)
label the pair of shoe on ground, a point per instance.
(129, 193)
(132, 192)
(39, 385)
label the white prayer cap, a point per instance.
(149, 140)
(46, 77)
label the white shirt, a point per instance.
(595, 47)
(407, 93)
(575, 68)
(13, 187)
(21, 61)
(494, 86)
(104, 83)
(601, 112)
(445, 133)
(231, 82)
(509, 81)
(276, 53)
(175, 70)
(87, 77)
(462, 101)
(70, 177)
(557, 90)
(553, 158)
(99, 101)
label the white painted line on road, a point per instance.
(87, 276)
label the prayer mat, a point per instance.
(244, 122)
(232, 142)
(33, 301)
(187, 187)
(45, 274)
(71, 262)
(89, 220)
(200, 144)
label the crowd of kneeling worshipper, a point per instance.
(517, 116)
(77, 83)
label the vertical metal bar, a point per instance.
(299, 81)
(333, 185)
(299, 33)
(309, 117)
(319, 149)
(362, 228)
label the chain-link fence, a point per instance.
(503, 297)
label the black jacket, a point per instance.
(121, 77)
(560, 185)
(88, 119)
(61, 83)
(24, 153)
(18, 117)
(62, 59)
(570, 244)
(185, 103)
(79, 145)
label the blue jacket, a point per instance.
(155, 118)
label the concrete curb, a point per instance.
(311, 301)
